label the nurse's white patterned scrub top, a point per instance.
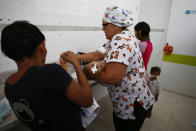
(123, 48)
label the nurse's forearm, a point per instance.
(89, 57)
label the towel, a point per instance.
(88, 114)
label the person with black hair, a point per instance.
(153, 83)
(43, 96)
(142, 31)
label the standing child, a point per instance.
(142, 30)
(153, 83)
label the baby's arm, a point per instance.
(97, 55)
(93, 69)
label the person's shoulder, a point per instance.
(53, 71)
(123, 38)
(157, 81)
(143, 43)
(149, 43)
(118, 37)
(51, 66)
(124, 34)
(50, 69)
(129, 34)
(129, 37)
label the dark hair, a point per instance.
(155, 69)
(145, 29)
(20, 39)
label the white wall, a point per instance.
(182, 28)
(87, 13)
(180, 32)
(179, 78)
(182, 36)
(156, 14)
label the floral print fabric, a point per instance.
(133, 87)
(118, 16)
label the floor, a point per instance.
(172, 112)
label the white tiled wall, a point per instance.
(181, 35)
(179, 78)
(182, 27)
(58, 42)
(62, 13)
(156, 14)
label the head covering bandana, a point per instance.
(118, 16)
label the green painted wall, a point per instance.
(180, 59)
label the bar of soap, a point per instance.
(94, 69)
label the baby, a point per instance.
(93, 69)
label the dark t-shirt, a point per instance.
(39, 100)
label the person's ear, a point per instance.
(139, 32)
(42, 48)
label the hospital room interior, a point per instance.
(74, 28)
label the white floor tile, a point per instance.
(172, 112)
(166, 101)
(149, 127)
(99, 91)
(107, 117)
(100, 125)
(159, 119)
(177, 124)
(185, 109)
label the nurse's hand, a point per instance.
(69, 57)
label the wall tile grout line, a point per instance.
(155, 126)
(180, 93)
(72, 28)
(172, 114)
